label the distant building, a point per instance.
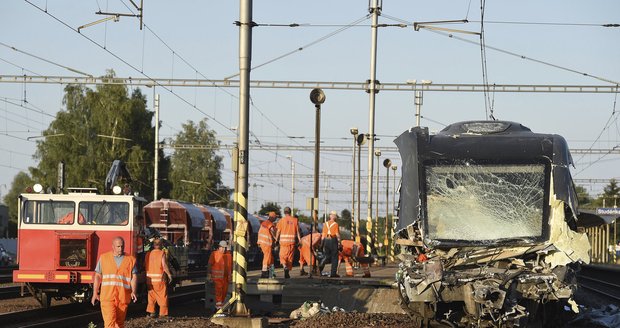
(4, 220)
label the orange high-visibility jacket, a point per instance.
(289, 228)
(116, 282)
(316, 240)
(330, 229)
(154, 268)
(265, 233)
(347, 248)
(218, 265)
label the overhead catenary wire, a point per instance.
(128, 64)
(613, 118)
(177, 54)
(528, 58)
(307, 45)
(452, 36)
(45, 60)
(483, 57)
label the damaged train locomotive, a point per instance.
(492, 207)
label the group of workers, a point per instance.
(115, 283)
(285, 237)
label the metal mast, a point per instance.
(375, 10)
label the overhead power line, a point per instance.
(309, 85)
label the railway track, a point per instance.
(6, 273)
(80, 315)
(9, 292)
(601, 280)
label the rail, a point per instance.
(80, 315)
(601, 280)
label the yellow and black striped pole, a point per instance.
(242, 162)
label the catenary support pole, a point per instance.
(241, 205)
(375, 11)
(156, 157)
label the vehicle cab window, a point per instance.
(48, 212)
(105, 213)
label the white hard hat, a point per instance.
(224, 244)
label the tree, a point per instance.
(583, 197)
(195, 174)
(97, 127)
(609, 197)
(21, 181)
(345, 219)
(270, 207)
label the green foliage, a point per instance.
(270, 207)
(195, 173)
(345, 219)
(21, 181)
(612, 190)
(584, 199)
(609, 198)
(97, 127)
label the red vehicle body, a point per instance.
(57, 249)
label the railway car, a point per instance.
(253, 253)
(61, 236)
(184, 224)
(487, 225)
(223, 225)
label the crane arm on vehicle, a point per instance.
(117, 170)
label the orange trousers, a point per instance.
(113, 313)
(221, 288)
(267, 256)
(158, 293)
(286, 256)
(349, 266)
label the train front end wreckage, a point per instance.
(487, 225)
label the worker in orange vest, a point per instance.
(351, 250)
(68, 218)
(331, 243)
(116, 277)
(266, 237)
(156, 265)
(307, 252)
(219, 272)
(288, 236)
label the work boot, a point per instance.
(264, 274)
(286, 275)
(366, 275)
(334, 275)
(150, 315)
(303, 273)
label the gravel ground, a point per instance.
(194, 315)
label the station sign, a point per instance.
(608, 211)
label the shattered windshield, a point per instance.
(485, 202)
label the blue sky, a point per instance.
(202, 34)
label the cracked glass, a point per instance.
(485, 202)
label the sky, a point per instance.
(553, 42)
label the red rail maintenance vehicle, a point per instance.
(61, 236)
